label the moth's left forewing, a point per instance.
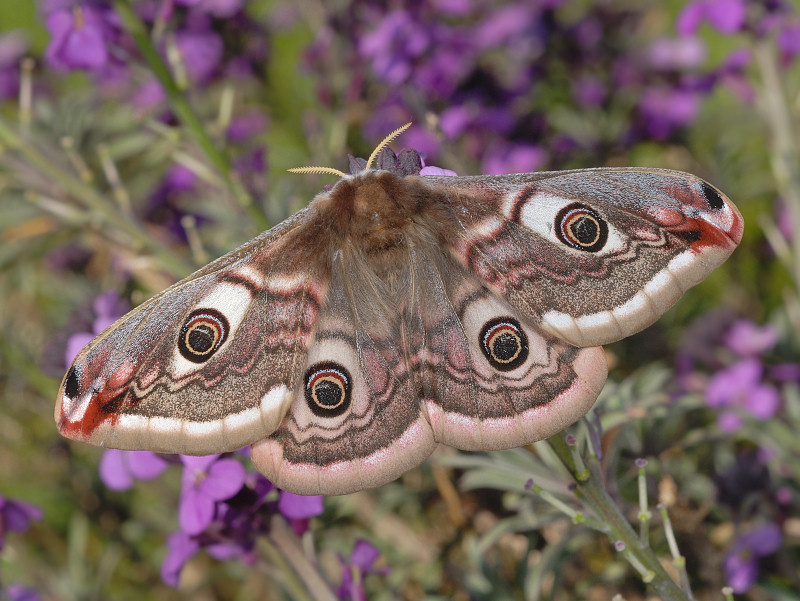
(591, 255)
(209, 365)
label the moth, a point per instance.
(396, 312)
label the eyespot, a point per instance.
(504, 343)
(203, 332)
(712, 196)
(327, 389)
(581, 227)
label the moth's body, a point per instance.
(395, 313)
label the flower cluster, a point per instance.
(735, 365)
(87, 35)
(745, 380)
(360, 563)
(222, 509)
(741, 562)
(489, 71)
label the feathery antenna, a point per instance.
(386, 141)
(329, 170)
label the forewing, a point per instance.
(208, 365)
(592, 255)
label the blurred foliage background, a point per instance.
(140, 139)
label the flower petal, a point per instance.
(364, 555)
(114, 471)
(225, 478)
(763, 540)
(17, 515)
(741, 572)
(145, 465)
(727, 385)
(728, 421)
(200, 463)
(180, 547)
(195, 512)
(298, 507)
(763, 401)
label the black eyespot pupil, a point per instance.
(328, 394)
(201, 339)
(505, 346)
(327, 389)
(504, 343)
(585, 230)
(712, 196)
(203, 333)
(581, 227)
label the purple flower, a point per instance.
(431, 170)
(505, 24)
(740, 388)
(18, 592)
(206, 480)
(118, 469)
(393, 45)
(13, 46)
(508, 158)
(360, 563)
(79, 39)
(741, 563)
(589, 91)
(149, 95)
(789, 40)
(664, 109)
(726, 16)
(245, 126)
(201, 53)
(299, 507)
(732, 74)
(236, 522)
(746, 339)
(222, 9)
(180, 548)
(108, 307)
(165, 206)
(677, 54)
(16, 516)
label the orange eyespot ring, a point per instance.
(202, 334)
(581, 227)
(327, 389)
(504, 343)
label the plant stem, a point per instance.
(289, 545)
(593, 494)
(136, 28)
(785, 153)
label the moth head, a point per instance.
(377, 158)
